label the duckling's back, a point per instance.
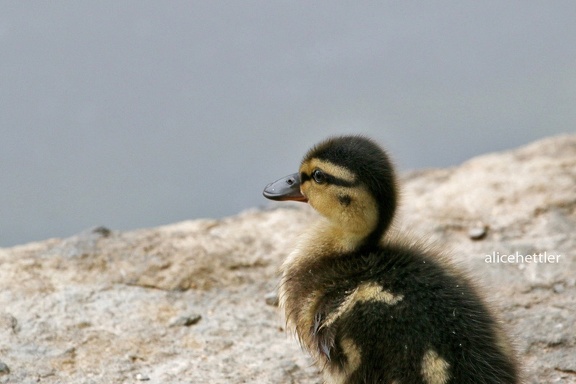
(393, 314)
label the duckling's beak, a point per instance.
(287, 188)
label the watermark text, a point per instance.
(518, 258)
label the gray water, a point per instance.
(133, 114)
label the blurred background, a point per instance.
(133, 114)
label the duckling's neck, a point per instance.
(340, 239)
(333, 238)
(324, 240)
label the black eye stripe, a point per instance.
(342, 182)
(330, 179)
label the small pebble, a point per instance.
(559, 288)
(102, 231)
(141, 377)
(185, 321)
(478, 232)
(271, 299)
(4, 370)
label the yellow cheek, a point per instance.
(360, 215)
(321, 199)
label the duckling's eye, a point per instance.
(319, 176)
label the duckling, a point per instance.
(367, 307)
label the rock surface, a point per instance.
(186, 303)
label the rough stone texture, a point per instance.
(187, 302)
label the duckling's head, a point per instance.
(348, 179)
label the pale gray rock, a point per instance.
(104, 306)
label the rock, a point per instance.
(559, 288)
(478, 232)
(186, 320)
(271, 298)
(141, 377)
(121, 295)
(102, 231)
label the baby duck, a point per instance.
(370, 309)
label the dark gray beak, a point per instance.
(287, 188)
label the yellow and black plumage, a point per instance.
(371, 309)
